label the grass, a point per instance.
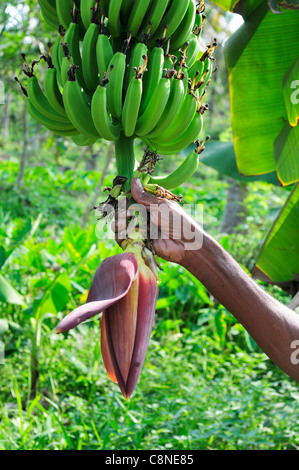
(205, 384)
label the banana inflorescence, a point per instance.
(131, 68)
(119, 70)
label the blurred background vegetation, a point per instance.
(205, 383)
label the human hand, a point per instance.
(172, 231)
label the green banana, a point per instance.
(154, 110)
(132, 101)
(77, 106)
(136, 61)
(197, 68)
(83, 140)
(101, 118)
(49, 6)
(183, 32)
(64, 10)
(72, 39)
(200, 18)
(49, 19)
(182, 120)
(177, 95)
(55, 58)
(89, 64)
(86, 8)
(172, 19)
(180, 175)
(154, 14)
(105, 7)
(54, 126)
(153, 76)
(114, 23)
(126, 7)
(115, 85)
(52, 91)
(65, 65)
(190, 135)
(49, 13)
(39, 100)
(104, 53)
(136, 17)
(193, 52)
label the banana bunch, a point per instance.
(127, 16)
(118, 70)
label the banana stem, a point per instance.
(125, 158)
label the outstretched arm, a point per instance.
(272, 325)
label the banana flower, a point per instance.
(125, 289)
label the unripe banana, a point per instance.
(102, 121)
(172, 19)
(52, 91)
(190, 135)
(104, 53)
(115, 85)
(133, 100)
(83, 140)
(136, 61)
(155, 14)
(182, 120)
(64, 10)
(137, 15)
(114, 24)
(86, 7)
(180, 175)
(41, 103)
(177, 95)
(89, 63)
(77, 106)
(153, 76)
(59, 128)
(154, 110)
(193, 50)
(182, 33)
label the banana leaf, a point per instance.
(9, 294)
(278, 260)
(221, 157)
(258, 58)
(243, 8)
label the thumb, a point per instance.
(141, 195)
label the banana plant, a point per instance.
(262, 63)
(121, 70)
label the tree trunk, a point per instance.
(82, 156)
(235, 209)
(6, 117)
(20, 177)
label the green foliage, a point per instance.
(205, 384)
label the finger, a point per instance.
(141, 195)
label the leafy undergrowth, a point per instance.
(205, 384)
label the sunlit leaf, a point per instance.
(286, 154)
(9, 294)
(291, 93)
(244, 8)
(55, 296)
(221, 156)
(258, 56)
(278, 259)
